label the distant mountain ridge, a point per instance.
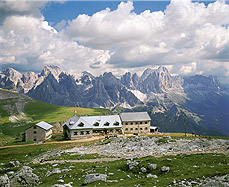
(201, 99)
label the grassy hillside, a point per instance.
(18, 112)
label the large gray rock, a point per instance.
(131, 164)
(24, 177)
(94, 177)
(4, 181)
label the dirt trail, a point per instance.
(58, 142)
(81, 160)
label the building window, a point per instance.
(126, 123)
(95, 131)
(136, 129)
(131, 129)
(146, 122)
(141, 122)
(34, 138)
(126, 129)
(75, 133)
(35, 127)
(111, 130)
(81, 124)
(116, 123)
(146, 128)
(87, 132)
(106, 124)
(34, 132)
(141, 129)
(131, 123)
(136, 122)
(96, 124)
(81, 132)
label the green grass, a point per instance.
(181, 167)
(39, 111)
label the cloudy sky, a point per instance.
(187, 37)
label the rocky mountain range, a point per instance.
(201, 100)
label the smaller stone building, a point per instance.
(135, 122)
(39, 132)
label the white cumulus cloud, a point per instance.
(184, 33)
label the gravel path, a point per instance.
(81, 160)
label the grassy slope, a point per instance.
(35, 111)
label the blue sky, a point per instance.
(185, 36)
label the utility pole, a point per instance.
(184, 127)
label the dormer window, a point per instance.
(106, 124)
(96, 124)
(81, 124)
(116, 123)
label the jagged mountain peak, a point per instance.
(55, 70)
(88, 74)
(146, 73)
(12, 74)
(162, 69)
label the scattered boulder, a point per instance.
(94, 177)
(143, 170)
(55, 171)
(61, 180)
(131, 164)
(4, 181)
(14, 163)
(151, 176)
(152, 166)
(165, 169)
(24, 177)
(63, 185)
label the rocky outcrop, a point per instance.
(142, 146)
(4, 181)
(94, 177)
(24, 177)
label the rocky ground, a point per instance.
(141, 146)
(132, 155)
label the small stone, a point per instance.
(143, 170)
(149, 175)
(61, 180)
(10, 173)
(152, 166)
(165, 169)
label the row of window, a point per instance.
(95, 131)
(131, 129)
(116, 123)
(82, 132)
(132, 123)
